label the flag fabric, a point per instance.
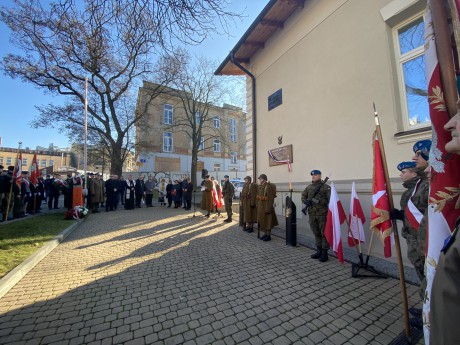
(445, 179)
(380, 213)
(412, 213)
(335, 217)
(356, 219)
(34, 171)
(280, 161)
(217, 196)
(17, 173)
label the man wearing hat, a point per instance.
(266, 216)
(228, 191)
(422, 153)
(316, 197)
(248, 202)
(206, 196)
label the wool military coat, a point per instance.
(266, 216)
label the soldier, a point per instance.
(206, 196)
(422, 153)
(316, 197)
(266, 216)
(445, 304)
(228, 191)
(248, 199)
(414, 202)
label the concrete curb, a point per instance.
(14, 276)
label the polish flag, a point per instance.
(356, 219)
(335, 217)
(443, 207)
(412, 213)
(380, 213)
(34, 171)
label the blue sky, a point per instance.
(18, 100)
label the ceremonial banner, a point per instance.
(335, 217)
(34, 172)
(443, 208)
(17, 173)
(380, 213)
(356, 219)
(413, 215)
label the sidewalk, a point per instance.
(161, 276)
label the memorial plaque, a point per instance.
(275, 99)
(280, 155)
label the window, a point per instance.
(1, 160)
(8, 160)
(201, 146)
(198, 117)
(233, 130)
(24, 161)
(167, 141)
(216, 166)
(233, 157)
(51, 162)
(168, 114)
(43, 163)
(216, 121)
(411, 73)
(216, 145)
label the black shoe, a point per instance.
(263, 237)
(228, 220)
(267, 238)
(207, 216)
(323, 257)
(249, 230)
(416, 322)
(317, 255)
(416, 312)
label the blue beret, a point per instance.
(406, 165)
(315, 172)
(226, 176)
(424, 147)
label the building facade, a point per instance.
(58, 160)
(163, 142)
(314, 69)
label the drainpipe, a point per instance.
(254, 127)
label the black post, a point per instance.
(291, 222)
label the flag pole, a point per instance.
(8, 204)
(395, 228)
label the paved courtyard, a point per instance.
(161, 276)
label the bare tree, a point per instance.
(113, 43)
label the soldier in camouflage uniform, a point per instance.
(316, 197)
(266, 216)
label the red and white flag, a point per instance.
(380, 213)
(445, 178)
(356, 219)
(17, 172)
(335, 217)
(216, 196)
(412, 213)
(34, 173)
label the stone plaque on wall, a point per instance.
(280, 155)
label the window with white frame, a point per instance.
(216, 166)
(43, 162)
(216, 120)
(413, 86)
(216, 145)
(51, 162)
(198, 117)
(167, 141)
(168, 114)
(201, 146)
(233, 157)
(233, 130)
(8, 160)
(24, 161)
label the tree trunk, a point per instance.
(116, 162)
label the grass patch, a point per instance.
(20, 239)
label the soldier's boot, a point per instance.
(317, 254)
(323, 257)
(228, 220)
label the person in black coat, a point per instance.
(188, 192)
(169, 188)
(40, 194)
(111, 188)
(139, 190)
(129, 193)
(177, 193)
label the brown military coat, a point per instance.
(97, 190)
(266, 216)
(207, 203)
(248, 199)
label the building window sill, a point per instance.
(413, 135)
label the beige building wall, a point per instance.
(44, 158)
(333, 59)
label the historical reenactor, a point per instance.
(228, 192)
(97, 193)
(445, 303)
(248, 199)
(130, 193)
(206, 196)
(316, 197)
(266, 216)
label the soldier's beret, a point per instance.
(263, 176)
(226, 176)
(315, 172)
(424, 147)
(406, 165)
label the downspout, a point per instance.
(254, 126)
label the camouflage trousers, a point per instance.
(416, 255)
(317, 225)
(228, 206)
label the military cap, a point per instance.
(226, 176)
(424, 147)
(11, 168)
(406, 165)
(249, 178)
(263, 176)
(315, 172)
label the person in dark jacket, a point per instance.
(111, 188)
(177, 193)
(188, 192)
(140, 190)
(169, 188)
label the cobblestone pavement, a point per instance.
(160, 276)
